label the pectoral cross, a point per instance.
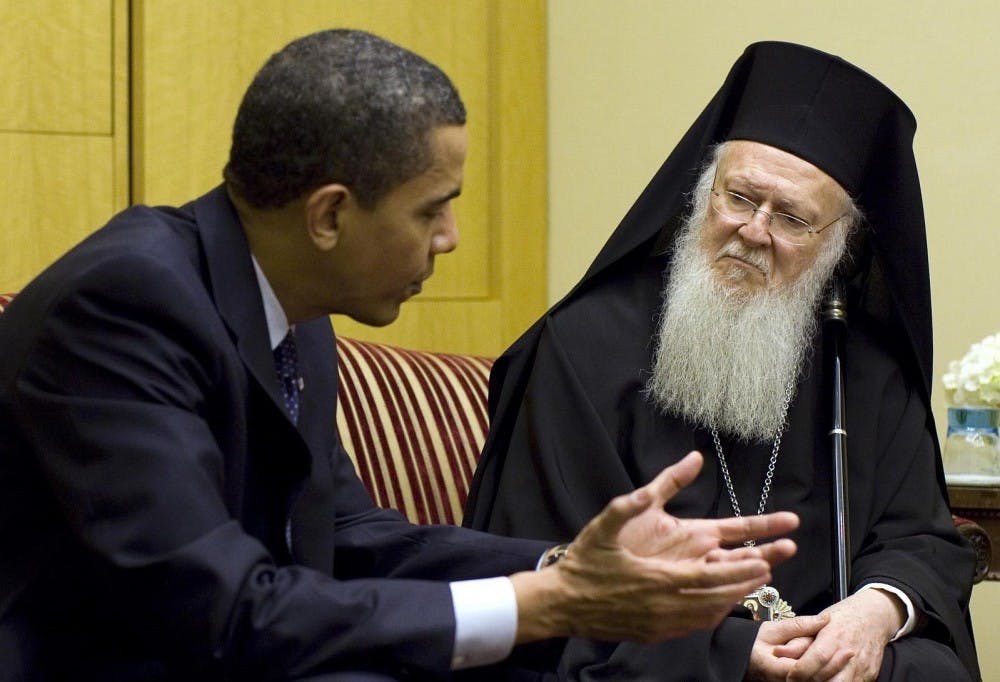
(766, 604)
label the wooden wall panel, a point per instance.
(63, 127)
(193, 60)
(58, 189)
(56, 57)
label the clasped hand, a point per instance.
(637, 573)
(845, 642)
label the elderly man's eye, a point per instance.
(739, 202)
(791, 223)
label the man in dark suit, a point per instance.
(176, 502)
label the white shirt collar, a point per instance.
(277, 321)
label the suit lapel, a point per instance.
(237, 297)
(314, 511)
(234, 286)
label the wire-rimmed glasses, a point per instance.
(787, 228)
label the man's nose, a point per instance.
(757, 230)
(446, 240)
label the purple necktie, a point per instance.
(286, 361)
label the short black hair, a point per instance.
(338, 106)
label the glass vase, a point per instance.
(971, 451)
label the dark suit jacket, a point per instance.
(147, 470)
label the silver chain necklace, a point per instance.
(764, 603)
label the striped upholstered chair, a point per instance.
(414, 423)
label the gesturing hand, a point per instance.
(654, 532)
(637, 573)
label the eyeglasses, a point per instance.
(782, 226)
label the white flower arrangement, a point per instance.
(975, 379)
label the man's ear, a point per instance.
(324, 214)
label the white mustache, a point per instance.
(740, 252)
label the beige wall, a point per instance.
(627, 77)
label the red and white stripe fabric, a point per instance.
(414, 423)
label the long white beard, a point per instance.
(724, 357)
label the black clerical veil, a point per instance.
(821, 109)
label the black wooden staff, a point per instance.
(835, 325)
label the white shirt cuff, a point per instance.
(485, 621)
(911, 614)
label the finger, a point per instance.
(738, 529)
(778, 551)
(841, 665)
(849, 674)
(821, 661)
(793, 649)
(727, 577)
(669, 481)
(799, 627)
(773, 553)
(736, 554)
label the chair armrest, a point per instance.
(981, 543)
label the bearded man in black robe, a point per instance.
(698, 328)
